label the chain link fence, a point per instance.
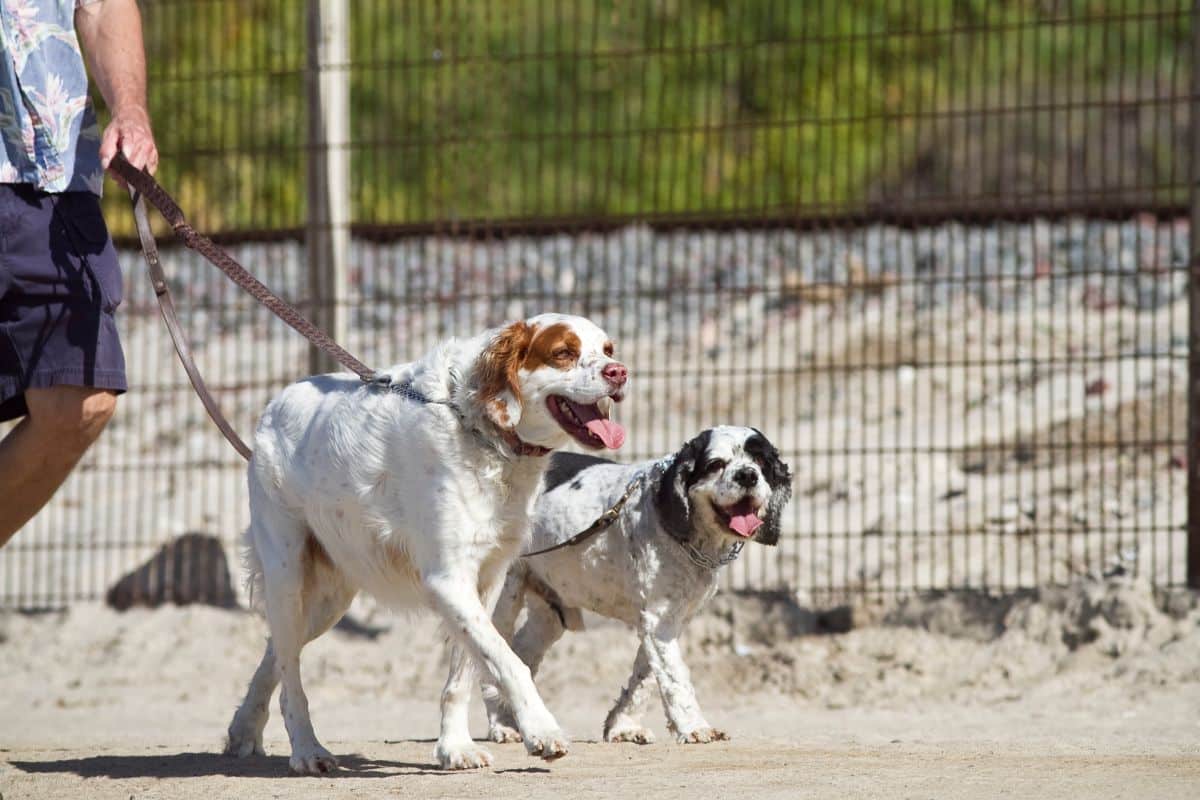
(937, 251)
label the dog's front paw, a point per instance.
(702, 735)
(500, 733)
(630, 733)
(462, 755)
(549, 746)
(315, 760)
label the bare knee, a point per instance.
(70, 416)
(97, 409)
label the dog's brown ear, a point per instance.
(496, 373)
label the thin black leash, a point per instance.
(603, 522)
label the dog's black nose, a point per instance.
(746, 476)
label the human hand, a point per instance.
(129, 131)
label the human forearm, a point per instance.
(110, 32)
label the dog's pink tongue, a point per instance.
(607, 431)
(743, 520)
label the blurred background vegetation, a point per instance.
(678, 109)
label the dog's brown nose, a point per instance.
(616, 374)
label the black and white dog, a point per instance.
(686, 515)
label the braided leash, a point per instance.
(166, 306)
(143, 187)
(149, 189)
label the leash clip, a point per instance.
(380, 379)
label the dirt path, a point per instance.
(1081, 747)
(758, 768)
(100, 705)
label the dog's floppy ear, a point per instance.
(496, 374)
(779, 478)
(674, 508)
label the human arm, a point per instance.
(111, 34)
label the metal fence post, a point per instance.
(328, 232)
(1193, 422)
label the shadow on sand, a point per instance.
(194, 765)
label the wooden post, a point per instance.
(1193, 420)
(328, 231)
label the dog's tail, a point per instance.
(252, 564)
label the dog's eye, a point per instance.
(608, 349)
(714, 466)
(564, 354)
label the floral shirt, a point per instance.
(48, 132)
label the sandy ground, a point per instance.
(1088, 691)
(751, 767)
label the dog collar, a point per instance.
(708, 562)
(522, 447)
(700, 559)
(406, 390)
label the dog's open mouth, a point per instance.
(587, 423)
(741, 517)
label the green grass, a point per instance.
(518, 108)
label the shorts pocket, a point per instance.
(81, 221)
(81, 212)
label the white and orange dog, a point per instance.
(419, 493)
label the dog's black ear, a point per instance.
(779, 478)
(674, 508)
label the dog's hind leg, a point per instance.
(327, 596)
(544, 625)
(455, 748)
(284, 599)
(623, 723)
(246, 728)
(501, 725)
(545, 622)
(302, 594)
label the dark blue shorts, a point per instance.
(59, 286)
